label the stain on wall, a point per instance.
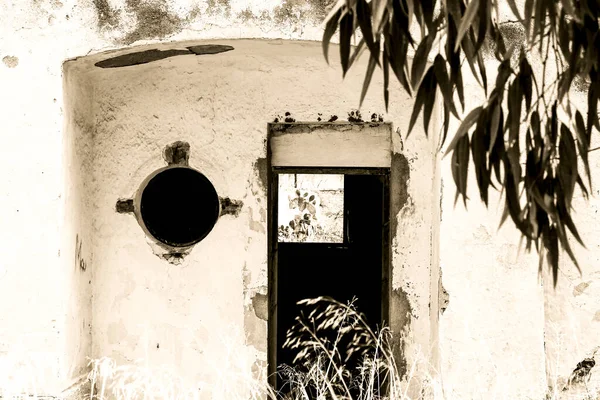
(444, 296)
(79, 259)
(124, 206)
(230, 206)
(579, 289)
(301, 11)
(177, 153)
(400, 318)
(261, 168)
(108, 17)
(255, 330)
(261, 306)
(10, 61)
(215, 7)
(154, 19)
(232, 154)
(399, 187)
(257, 225)
(128, 21)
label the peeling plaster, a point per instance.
(257, 226)
(10, 61)
(129, 21)
(261, 168)
(579, 289)
(230, 206)
(259, 369)
(131, 100)
(177, 153)
(175, 257)
(154, 20)
(124, 206)
(444, 296)
(260, 304)
(107, 16)
(582, 372)
(401, 312)
(255, 330)
(218, 7)
(301, 11)
(399, 188)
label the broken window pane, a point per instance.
(311, 208)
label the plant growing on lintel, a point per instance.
(527, 139)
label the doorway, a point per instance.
(340, 251)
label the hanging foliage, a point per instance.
(526, 139)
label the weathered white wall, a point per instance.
(492, 332)
(572, 309)
(496, 303)
(77, 235)
(183, 315)
(43, 308)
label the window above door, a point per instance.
(311, 208)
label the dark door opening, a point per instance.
(355, 267)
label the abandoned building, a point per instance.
(151, 150)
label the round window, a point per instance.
(179, 206)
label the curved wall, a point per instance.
(187, 314)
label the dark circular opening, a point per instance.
(179, 206)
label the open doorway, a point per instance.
(329, 237)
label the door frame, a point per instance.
(272, 228)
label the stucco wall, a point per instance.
(572, 309)
(77, 235)
(55, 211)
(40, 313)
(183, 315)
(492, 332)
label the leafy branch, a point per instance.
(527, 139)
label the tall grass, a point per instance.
(332, 337)
(338, 357)
(320, 370)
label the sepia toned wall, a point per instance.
(572, 308)
(189, 315)
(80, 280)
(492, 332)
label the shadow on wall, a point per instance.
(147, 56)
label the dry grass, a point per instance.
(325, 339)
